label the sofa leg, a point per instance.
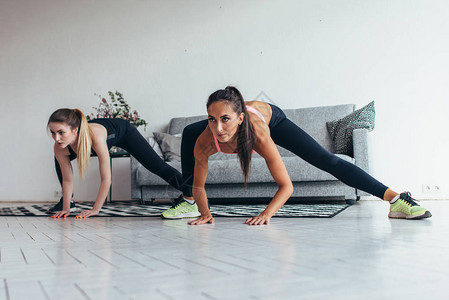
(350, 201)
(147, 202)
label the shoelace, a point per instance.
(407, 197)
(178, 201)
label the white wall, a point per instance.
(168, 56)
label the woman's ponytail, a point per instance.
(245, 139)
(84, 142)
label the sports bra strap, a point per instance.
(255, 111)
(216, 143)
(72, 153)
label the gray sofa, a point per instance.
(224, 178)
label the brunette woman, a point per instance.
(239, 127)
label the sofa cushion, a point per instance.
(170, 145)
(313, 121)
(341, 129)
(228, 171)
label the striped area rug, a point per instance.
(133, 209)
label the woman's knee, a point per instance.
(194, 130)
(188, 131)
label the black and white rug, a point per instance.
(132, 209)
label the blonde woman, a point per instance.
(75, 137)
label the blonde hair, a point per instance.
(75, 118)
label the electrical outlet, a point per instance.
(57, 194)
(430, 188)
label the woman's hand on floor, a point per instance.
(259, 220)
(87, 214)
(203, 220)
(62, 213)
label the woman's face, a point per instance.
(224, 121)
(62, 133)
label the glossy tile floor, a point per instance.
(358, 254)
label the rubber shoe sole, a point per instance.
(183, 216)
(399, 215)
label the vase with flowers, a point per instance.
(116, 108)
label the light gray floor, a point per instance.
(359, 254)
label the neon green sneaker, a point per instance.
(405, 207)
(181, 209)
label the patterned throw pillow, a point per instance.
(341, 130)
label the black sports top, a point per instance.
(116, 129)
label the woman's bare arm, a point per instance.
(266, 147)
(101, 149)
(203, 149)
(62, 157)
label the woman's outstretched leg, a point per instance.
(140, 149)
(291, 137)
(288, 135)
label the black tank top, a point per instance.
(116, 129)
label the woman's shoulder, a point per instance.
(98, 132)
(95, 126)
(263, 108)
(257, 104)
(205, 143)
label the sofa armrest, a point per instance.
(361, 149)
(136, 191)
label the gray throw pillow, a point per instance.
(341, 130)
(170, 145)
(156, 147)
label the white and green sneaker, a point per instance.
(405, 207)
(181, 209)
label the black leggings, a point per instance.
(138, 147)
(289, 136)
(189, 136)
